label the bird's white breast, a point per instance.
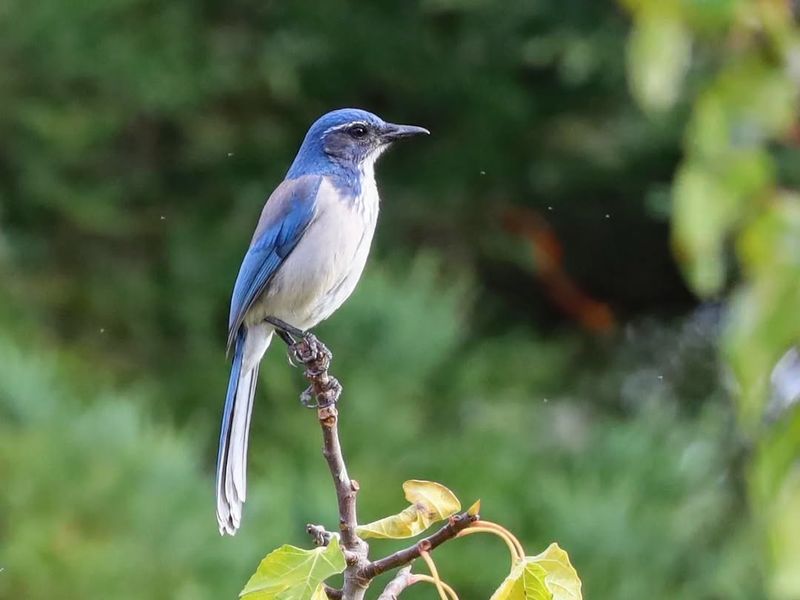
(325, 266)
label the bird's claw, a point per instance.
(330, 395)
(308, 399)
(312, 353)
(316, 358)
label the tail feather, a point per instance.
(249, 347)
(237, 459)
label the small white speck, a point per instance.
(608, 216)
(163, 218)
(545, 400)
(483, 172)
(230, 154)
(661, 377)
(102, 330)
(549, 208)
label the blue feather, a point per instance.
(281, 228)
(230, 399)
(312, 158)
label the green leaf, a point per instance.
(291, 573)
(749, 103)
(319, 593)
(770, 245)
(703, 213)
(783, 535)
(775, 460)
(475, 509)
(765, 321)
(658, 57)
(430, 502)
(546, 576)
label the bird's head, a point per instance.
(347, 138)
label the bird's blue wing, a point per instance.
(283, 222)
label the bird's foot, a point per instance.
(308, 399)
(328, 396)
(304, 348)
(312, 353)
(331, 393)
(315, 356)
(290, 335)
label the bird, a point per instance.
(304, 260)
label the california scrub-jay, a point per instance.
(305, 259)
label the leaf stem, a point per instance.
(503, 530)
(511, 547)
(435, 573)
(428, 579)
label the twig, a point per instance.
(401, 581)
(333, 593)
(319, 534)
(455, 524)
(317, 359)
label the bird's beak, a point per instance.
(392, 132)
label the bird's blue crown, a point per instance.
(330, 150)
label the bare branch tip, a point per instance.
(319, 534)
(333, 593)
(399, 582)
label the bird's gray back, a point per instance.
(326, 264)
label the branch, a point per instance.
(401, 581)
(360, 571)
(333, 593)
(455, 524)
(317, 359)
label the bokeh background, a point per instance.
(580, 286)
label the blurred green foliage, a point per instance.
(613, 474)
(137, 143)
(98, 501)
(730, 186)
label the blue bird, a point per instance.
(306, 257)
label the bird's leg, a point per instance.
(288, 333)
(286, 337)
(307, 350)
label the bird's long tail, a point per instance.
(249, 348)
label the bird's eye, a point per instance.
(357, 131)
